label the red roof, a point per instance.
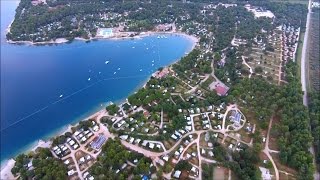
(221, 91)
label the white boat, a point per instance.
(152, 64)
(158, 37)
(147, 48)
(99, 72)
(118, 69)
(106, 62)
(89, 79)
(153, 61)
(61, 96)
(133, 47)
(115, 73)
(140, 70)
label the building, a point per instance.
(221, 90)
(177, 174)
(98, 142)
(162, 73)
(105, 32)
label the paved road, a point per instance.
(304, 75)
(303, 57)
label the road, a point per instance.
(304, 76)
(303, 57)
(266, 150)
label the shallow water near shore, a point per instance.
(45, 88)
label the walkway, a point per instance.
(266, 150)
(245, 63)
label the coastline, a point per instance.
(45, 142)
(139, 36)
(8, 164)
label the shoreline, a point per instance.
(7, 164)
(45, 142)
(192, 38)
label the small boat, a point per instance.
(106, 62)
(61, 96)
(152, 64)
(147, 48)
(118, 69)
(115, 73)
(158, 37)
(133, 47)
(152, 61)
(140, 70)
(99, 72)
(89, 79)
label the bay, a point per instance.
(45, 88)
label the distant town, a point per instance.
(232, 108)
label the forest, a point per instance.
(314, 113)
(39, 165)
(266, 100)
(78, 18)
(113, 156)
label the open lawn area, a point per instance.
(220, 173)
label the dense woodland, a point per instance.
(113, 156)
(39, 165)
(314, 113)
(267, 100)
(78, 18)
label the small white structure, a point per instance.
(265, 173)
(71, 172)
(177, 174)
(124, 137)
(174, 137)
(82, 160)
(151, 145)
(166, 158)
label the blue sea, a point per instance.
(45, 88)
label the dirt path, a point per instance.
(266, 150)
(245, 63)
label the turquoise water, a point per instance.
(34, 77)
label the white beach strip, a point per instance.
(6, 170)
(42, 144)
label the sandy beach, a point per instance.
(139, 36)
(6, 170)
(57, 41)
